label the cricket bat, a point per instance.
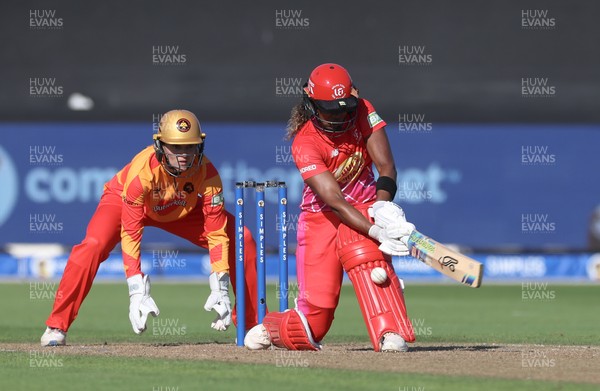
(450, 263)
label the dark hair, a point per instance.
(298, 117)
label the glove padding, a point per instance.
(391, 228)
(140, 302)
(391, 238)
(219, 300)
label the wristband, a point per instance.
(388, 184)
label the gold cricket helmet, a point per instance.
(179, 127)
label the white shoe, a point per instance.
(257, 338)
(392, 342)
(54, 337)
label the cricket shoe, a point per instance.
(257, 338)
(392, 342)
(54, 337)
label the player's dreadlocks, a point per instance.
(298, 117)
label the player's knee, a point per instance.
(319, 320)
(358, 253)
(97, 245)
(91, 250)
(354, 248)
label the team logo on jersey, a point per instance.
(188, 187)
(183, 125)
(335, 152)
(374, 119)
(350, 168)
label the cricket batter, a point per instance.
(170, 185)
(337, 137)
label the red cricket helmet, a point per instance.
(329, 90)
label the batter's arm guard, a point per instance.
(382, 305)
(290, 330)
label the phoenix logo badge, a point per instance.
(183, 125)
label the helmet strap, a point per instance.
(158, 150)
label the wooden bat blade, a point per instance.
(453, 264)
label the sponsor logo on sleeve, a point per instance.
(217, 199)
(374, 119)
(308, 168)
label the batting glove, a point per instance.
(140, 302)
(393, 238)
(386, 212)
(219, 300)
(391, 228)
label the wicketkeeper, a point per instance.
(173, 186)
(337, 137)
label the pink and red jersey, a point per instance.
(345, 156)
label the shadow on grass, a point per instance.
(447, 348)
(470, 348)
(161, 344)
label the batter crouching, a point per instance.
(337, 137)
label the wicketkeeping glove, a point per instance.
(140, 302)
(219, 300)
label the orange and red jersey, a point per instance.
(344, 155)
(149, 192)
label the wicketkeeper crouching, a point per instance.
(173, 186)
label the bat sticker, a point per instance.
(448, 262)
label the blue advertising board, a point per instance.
(177, 265)
(481, 186)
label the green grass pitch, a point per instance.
(440, 313)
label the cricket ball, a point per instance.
(378, 275)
